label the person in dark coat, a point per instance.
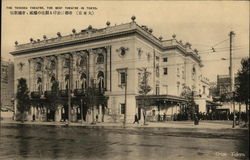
(136, 119)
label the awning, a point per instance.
(211, 103)
(155, 99)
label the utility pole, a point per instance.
(69, 91)
(231, 35)
(125, 109)
(0, 88)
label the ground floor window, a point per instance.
(122, 108)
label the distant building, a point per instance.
(7, 87)
(107, 56)
(223, 90)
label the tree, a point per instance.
(189, 110)
(53, 100)
(22, 96)
(91, 98)
(144, 89)
(242, 84)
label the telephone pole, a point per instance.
(125, 109)
(231, 35)
(69, 91)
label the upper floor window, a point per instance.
(157, 58)
(66, 79)
(52, 65)
(157, 71)
(100, 77)
(39, 84)
(38, 66)
(165, 71)
(123, 78)
(165, 59)
(204, 89)
(100, 59)
(66, 63)
(83, 81)
(83, 62)
(157, 89)
(178, 72)
(193, 73)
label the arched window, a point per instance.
(83, 81)
(39, 84)
(38, 66)
(83, 62)
(100, 77)
(52, 64)
(52, 79)
(193, 73)
(157, 71)
(66, 79)
(100, 59)
(66, 63)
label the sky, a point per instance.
(204, 24)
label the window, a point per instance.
(157, 71)
(204, 89)
(122, 108)
(100, 59)
(165, 59)
(83, 62)
(178, 88)
(178, 72)
(66, 63)
(193, 73)
(38, 66)
(183, 74)
(157, 58)
(83, 81)
(39, 84)
(157, 89)
(123, 78)
(165, 71)
(100, 77)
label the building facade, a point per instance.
(110, 57)
(7, 89)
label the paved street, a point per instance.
(60, 142)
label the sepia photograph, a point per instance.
(118, 80)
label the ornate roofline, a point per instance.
(100, 34)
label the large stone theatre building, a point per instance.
(109, 57)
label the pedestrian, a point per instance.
(33, 118)
(96, 117)
(159, 117)
(136, 119)
(164, 117)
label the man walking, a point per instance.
(136, 119)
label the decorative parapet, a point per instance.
(91, 33)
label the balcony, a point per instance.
(79, 92)
(49, 94)
(36, 94)
(63, 93)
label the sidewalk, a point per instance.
(168, 124)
